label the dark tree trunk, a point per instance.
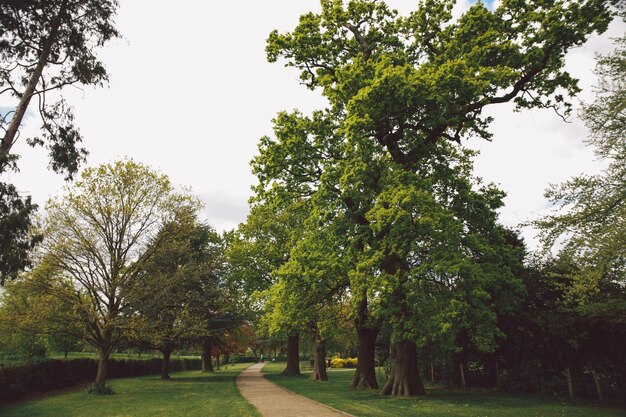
(226, 359)
(293, 355)
(365, 374)
(319, 359)
(207, 363)
(165, 364)
(404, 379)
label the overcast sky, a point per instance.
(191, 93)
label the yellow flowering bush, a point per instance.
(337, 362)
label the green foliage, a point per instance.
(408, 81)
(16, 232)
(170, 288)
(33, 320)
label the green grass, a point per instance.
(189, 393)
(438, 402)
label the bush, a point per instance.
(16, 381)
(337, 362)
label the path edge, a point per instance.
(310, 399)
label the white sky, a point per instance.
(191, 93)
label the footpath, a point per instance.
(274, 401)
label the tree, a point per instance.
(592, 217)
(33, 320)
(215, 302)
(101, 234)
(397, 89)
(44, 46)
(161, 298)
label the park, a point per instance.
(382, 261)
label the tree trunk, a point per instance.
(461, 359)
(103, 366)
(596, 382)
(404, 379)
(293, 355)
(432, 373)
(165, 364)
(498, 381)
(462, 375)
(319, 359)
(365, 374)
(207, 362)
(570, 386)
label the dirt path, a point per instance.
(274, 401)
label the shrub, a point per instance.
(337, 362)
(351, 362)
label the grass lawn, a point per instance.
(189, 393)
(438, 402)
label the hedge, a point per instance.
(16, 381)
(242, 359)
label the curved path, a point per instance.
(274, 401)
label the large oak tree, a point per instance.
(399, 87)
